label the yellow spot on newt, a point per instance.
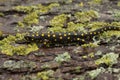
(65, 35)
(42, 34)
(78, 38)
(45, 43)
(94, 32)
(82, 34)
(68, 33)
(60, 34)
(68, 37)
(53, 35)
(60, 37)
(83, 40)
(48, 35)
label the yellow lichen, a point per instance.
(45, 75)
(33, 13)
(58, 21)
(8, 46)
(20, 24)
(95, 2)
(1, 33)
(23, 8)
(81, 4)
(31, 18)
(93, 45)
(1, 14)
(108, 59)
(86, 16)
(118, 4)
(75, 27)
(57, 29)
(97, 25)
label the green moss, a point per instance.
(109, 34)
(91, 55)
(58, 21)
(96, 25)
(1, 24)
(44, 9)
(94, 73)
(63, 57)
(33, 13)
(31, 18)
(86, 16)
(36, 8)
(57, 29)
(95, 2)
(109, 59)
(116, 15)
(45, 75)
(53, 5)
(66, 1)
(45, 66)
(93, 45)
(12, 64)
(20, 24)
(77, 27)
(36, 28)
(84, 57)
(26, 9)
(1, 33)
(117, 24)
(1, 14)
(118, 4)
(77, 68)
(8, 46)
(81, 4)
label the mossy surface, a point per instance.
(109, 59)
(45, 75)
(58, 23)
(84, 21)
(1, 14)
(86, 16)
(28, 62)
(33, 13)
(8, 46)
